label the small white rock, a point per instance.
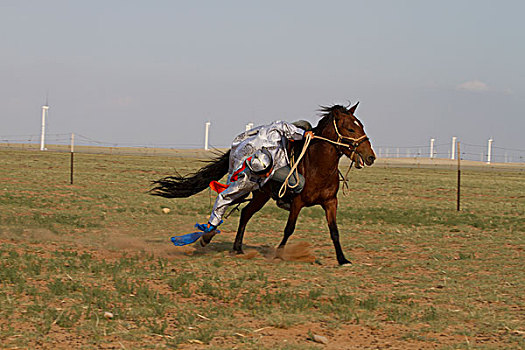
(108, 315)
(166, 210)
(320, 339)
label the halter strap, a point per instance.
(354, 144)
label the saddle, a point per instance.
(285, 201)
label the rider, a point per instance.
(257, 156)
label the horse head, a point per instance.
(350, 134)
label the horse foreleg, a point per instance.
(289, 229)
(258, 201)
(330, 209)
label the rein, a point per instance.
(355, 142)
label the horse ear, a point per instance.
(353, 108)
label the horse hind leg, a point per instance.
(289, 229)
(258, 201)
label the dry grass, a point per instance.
(424, 275)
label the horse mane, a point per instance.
(327, 114)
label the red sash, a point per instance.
(218, 187)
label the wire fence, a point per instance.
(85, 144)
(440, 150)
(81, 140)
(444, 150)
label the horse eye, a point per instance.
(351, 130)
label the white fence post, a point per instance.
(206, 134)
(432, 148)
(489, 151)
(45, 108)
(453, 152)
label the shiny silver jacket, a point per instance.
(241, 181)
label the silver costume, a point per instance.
(274, 137)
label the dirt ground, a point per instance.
(385, 335)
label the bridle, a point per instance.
(352, 146)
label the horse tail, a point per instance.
(178, 186)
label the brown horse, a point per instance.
(338, 133)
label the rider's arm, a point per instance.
(290, 131)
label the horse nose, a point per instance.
(371, 159)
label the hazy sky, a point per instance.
(152, 72)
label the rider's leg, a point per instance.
(295, 182)
(295, 186)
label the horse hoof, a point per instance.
(202, 243)
(236, 252)
(345, 263)
(206, 238)
(279, 253)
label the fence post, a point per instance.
(459, 179)
(453, 152)
(206, 134)
(432, 148)
(72, 157)
(45, 109)
(489, 151)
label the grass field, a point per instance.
(423, 277)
